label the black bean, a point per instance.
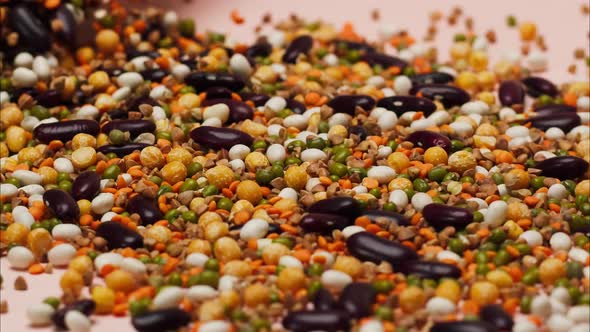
(299, 45)
(348, 103)
(296, 106)
(563, 121)
(351, 45)
(554, 109)
(123, 150)
(342, 205)
(84, 306)
(218, 92)
(440, 216)
(68, 25)
(430, 270)
(257, 98)
(357, 299)
(323, 223)
(388, 216)
(49, 98)
(33, 36)
(563, 167)
(119, 236)
(430, 78)
(537, 86)
(426, 139)
(370, 247)
(260, 49)
(497, 316)
(238, 110)
(65, 130)
(448, 95)
(359, 131)
(161, 320)
(133, 105)
(511, 92)
(202, 81)
(62, 204)
(86, 186)
(305, 321)
(154, 75)
(403, 104)
(384, 60)
(323, 300)
(220, 138)
(463, 326)
(147, 208)
(134, 127)
(118, 114)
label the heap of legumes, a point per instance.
(311, 181)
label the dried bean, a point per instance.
(161, 320)
(202, 81)
(369, 247)
(122, 150)
(84, 306)
(432, 78)
(304, 321)
(299, 45)
(348, 103)
(564, 121)
(220, 138)
(147, 208)
(440, 216)
(86, 186)
(238, 110)
(256, 98)
(68, 25)
(134, 127)
(218, 92)
(554, 109)
(463, 326)
(119, 236)
(537, 86)
(358, 299)
(384, 60)
(323, 223)
(403, 104)
(390, 217)
(563, 167)
(342, 205)
(65, 131)
(62, 205)
(511, 92)
(260, 49)
(497, 316)
(33, 36)
(448, 95)
(296, 106)
(431, 270)
(323, 300)
(426, 139)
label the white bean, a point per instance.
(65, 232)
(23, 59)
(240, 65)
(168, 297)
(61, 255)
(39, 314)
(41, 67)
(20, 257)
(130, 79)
(23, 78)
(109, 258)
(215, 326)
(313, 154)
(254, 229)
(335, 279)
(22, 215)
(63, 165)
(218, 111)
(383, 174)
(77, 321)
(402, 85)
(420, 200)
(196, 259)
(27, 177)
(201, 293)
(103, 203)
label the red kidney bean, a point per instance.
(323, 223)
(123, 150)
(383, 60)
(563, 167)
(218, 92)
(68, 23)
(257, 98)
(133, 105)
(147, 208)
(463, 326)
(563, 121)
(390, 217)
(119, 236)
(448, 95)
(220, 138)
(154, 75)
(348, 103)
(260, 49)
(62, 204)
(537, 86)
(134, 127)
(370, 247)
(497, 316)
(357, 299)
(305, 321)
(402, 104)
(299, 45)
(238, 110)
(84, 306)
(426, 139)
(440, 216)
(33, 36)
(342, 205)
(65, 130)
(202, 81)
(430, 270)
(359, 131)
(430, 78)
(511, 92)
(86, 186)
(554, 109)
(323, 300)
(296, 106)
(161, 320)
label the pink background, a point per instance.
(561, 22)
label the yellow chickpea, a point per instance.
(208, 218)
(120, 281)
(220, 176)
(174, 172)
(31, 155)
(237, 268)
(84, 157)
(296, 177)
(291, 279)
(81, 264)
(449, 289)
(48, 175)
(256, 294)
(83, 140)
(484, 292)
(398, 161)
(107, 40)
(528, 31)
(216, 230)
(256, 160)
(436, 155)
(199, 246)
(15, 233)
(273, 252)
(72, 282)
(151, 157)
(181, 155)
(99, 80)
(412, 299)
(104, 298)
(227, 249)
(39, 241)
(250, 191)
(349, 265)
(11, 115)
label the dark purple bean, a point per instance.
(84, 306)
(359, 131)
(426, 139)
(299, 45)
(463, 326)
(133, 105)
(537, 86)
(123, 150)
(305, 321)
(511, 92)
(348, 103)
(370, 247)
(154, 75)
(388, 216)
(323, 300)
(357, 299)
(86, 186)
(220, 138)
(430, 270)
(296, 106)
(440, 216)
(256, 98)
(430, 78)
(260, 49)
(49, 98)
(323, 223)
(497, 316)
(238, 110)
(342, 205)
(118, 114)
(68, 25)
(147, 208)
(202, 81)
(554, 109)
(403, 104)
(134, 127)
(62, 204)
(33, 36)
(65, 130)
(161, 320)
(119, 236)
(218, 92)
(384, 60)
(448, 95)
(563, 167)
(564, 121)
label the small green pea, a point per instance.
(420, 185)
(574, 270)
(210, 190)
(163, 190)
(525, 304)
(14, 181)
(338, 169)
(174, 279)
(225, 203)
(212, 264)
(389, 206)
(52, 301)
(315, 269)
(189, 184)
(259, 145)
(189, 216)
(65, 185)
(208, 277)
(264, 176)
(457, 145)
(313, 287)
(194, 168)
(40, 112)
(287, 242)
(437, 174)
(292, 161)
(186, 28)
(456, 245)
(111, 172)
(171, 215)
(383, 286)
(117, 137)
(531, 276)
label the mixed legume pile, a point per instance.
(308, 181)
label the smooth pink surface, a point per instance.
(561, 22)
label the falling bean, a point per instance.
(426, 139)
(348, 103)
(161, 320)
(342, 205)
(220, 138)
(357, 299)
(564, 121)
(463, 326)
(147, 208)
(84, 306)
(440, 216)
(497, 316)
(202, 81)
(33, 36)
(323, 300)
(257, 98)
(119, 236)
(448, 95)
(511, 92)
(218, 92)
(554, 109)
(134, 127)
(388, 216)
(305, 321)
(238, 110)
(430, 270)
(260, 49)
(537, 86)
(430, 78)
(122, 150)
(62, 204)
(65, 131)
(563, 167)
(323, 223)
(370, 247)
(299, 45)
(86, 186)
(68, 25)
(384, 60)
(403, 104)
(296, 106)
